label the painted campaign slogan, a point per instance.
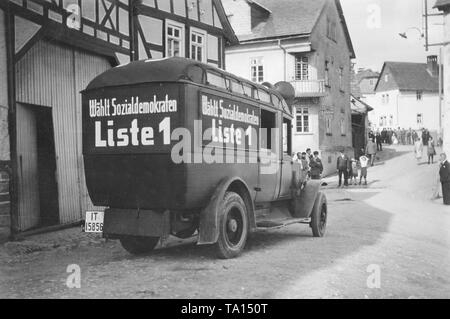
(230, 123)
(151, 121)
(130, 120)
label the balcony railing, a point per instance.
(309, 88)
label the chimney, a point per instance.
(432, 65)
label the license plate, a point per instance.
(94, 222)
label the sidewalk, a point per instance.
(65, 239)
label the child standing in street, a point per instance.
(364, 160)
(354, 172)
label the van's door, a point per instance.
(286, 158)
(269, 157)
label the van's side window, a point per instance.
(276, 102)
(287, 136)
(236, 87)
(248, 90)
(264, 96)
(216, 80)
(267, 132)
(285, 106)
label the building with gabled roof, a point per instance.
(407, 96)
(306, 43)
(49, 51)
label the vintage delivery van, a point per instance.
(177, 147)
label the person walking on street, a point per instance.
(316, 166)
(418, 150)
(444, 173)
(343, 167)
(371, 150)
(431, 151)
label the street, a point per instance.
(391, 225)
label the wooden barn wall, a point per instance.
(52, 75)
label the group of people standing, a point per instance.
(428, 142)
(310, 163)
(401, 136)
(352, 169)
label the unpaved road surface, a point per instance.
(390, 228)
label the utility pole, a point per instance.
(444, 6)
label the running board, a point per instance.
(274, 224)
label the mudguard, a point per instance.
(209, 217)
(304, 202)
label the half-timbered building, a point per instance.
(49, 51)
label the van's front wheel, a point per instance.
(319, 216)
(139, 245)
(233, 226)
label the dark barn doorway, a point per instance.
(48, 188)
(38, 190)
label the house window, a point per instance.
(341, 79)
(343, 129)
(198, 45)
(420, 118)
(301, 68)
(302, 117)
(257, 70)
(419, 95)
(387, 98)
(386, 78)
(391, 120)
(174, 39)
(328, 126)
(327, 73)
(331, 29)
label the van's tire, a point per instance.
(139, 245)
(233, 226)
(319, 216)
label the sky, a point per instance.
(374, 26)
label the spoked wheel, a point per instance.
(319, 216)
(233, 227)
(139, 245)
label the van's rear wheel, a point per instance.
(233, 226)
(319, 216)
(139, 245)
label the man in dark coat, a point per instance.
(378, 139)
(425, 137)
(444, 173)
(343, 165)
(316, 166)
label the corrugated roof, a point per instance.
(358, 106)
(411, 76)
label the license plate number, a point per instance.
(94, 222)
